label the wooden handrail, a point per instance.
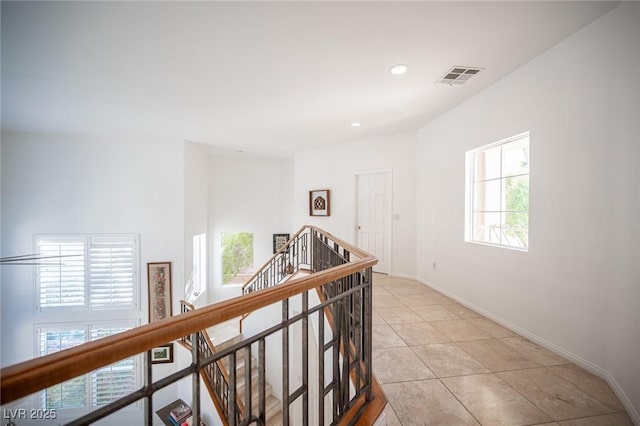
(268, 262)
(359, 253)
(25, 378)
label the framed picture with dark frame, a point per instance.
(159, 280)
(320, 202)
(162, 354)
(279, 240)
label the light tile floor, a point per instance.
(441, 363)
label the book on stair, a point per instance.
(179, 413)
(185, 422)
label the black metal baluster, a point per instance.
(345, 356)
(321, 353)
(285, 362)
(368, 312)
(195, 381)
(305, 358)
(247, 382)
(336, 360)
(148, 381)
(261, 382)
(232, 389)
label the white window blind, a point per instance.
(113, 381)
(72, 393)
(91, 272)
(61, 276)
(111, 273)
(92, 390)
(87, 288)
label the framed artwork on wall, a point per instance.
(162, 354)
(159, 280)
(279, 240)
(319, 202)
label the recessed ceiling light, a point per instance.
(355, 124)
(398, 69)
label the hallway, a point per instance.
(442, 364)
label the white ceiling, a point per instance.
(263, 77)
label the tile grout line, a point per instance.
(389, 288)
(461, 403)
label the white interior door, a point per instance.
(373, 216)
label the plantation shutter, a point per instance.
(77, 276)
(111, 273)
(105, 384)
(61, 274)
(72, 393)
(91, 272)
(113, 381)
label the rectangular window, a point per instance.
(87, 288)
(199, 278)
(86, 272)
(497, 188)
(237, 257)
(90, 391)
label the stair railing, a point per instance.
(214, 375)
(295, 256)
(347, 290)
(291, 257)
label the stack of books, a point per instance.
(180, 415)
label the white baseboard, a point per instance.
(576, 359)
(405, 276)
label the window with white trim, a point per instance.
(93, 390)
(497, 193)
(87, 272)
(199, 267)
(87, 287)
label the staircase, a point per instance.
(222, 337)
(273, 406)
(338, 389)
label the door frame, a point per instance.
(388, 211)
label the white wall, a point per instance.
(577, 289)
(196, 210)
(196, 199)
(72, 184)
(250, 194)
(335, 167)
(246, 194)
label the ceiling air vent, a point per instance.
(459, 75)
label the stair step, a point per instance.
(240, 362)
(223, 342)
(271, 406)
(254, 379)
(223, 338)
(268, 390)
(275, 419)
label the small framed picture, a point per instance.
(159, 280)
(279, 240)
(162, 354)
(319, 202)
